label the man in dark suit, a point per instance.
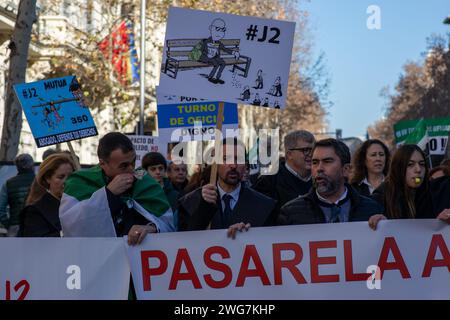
(294, 175)
(230, 201)
(331, 199)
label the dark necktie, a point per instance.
(226, 210)
(335, 211)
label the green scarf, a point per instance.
(146, 191)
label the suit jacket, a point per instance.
(306, 209)
(282, 186)
(252, 207)
(41, 219)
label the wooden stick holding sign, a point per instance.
(213, 177)
(74, 157)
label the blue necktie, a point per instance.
(226, 210)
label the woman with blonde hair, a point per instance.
(40, 217)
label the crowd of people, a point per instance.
(318, 181)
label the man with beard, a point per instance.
(230, 201)
(331, 199)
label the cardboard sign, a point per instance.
(145, 144)
(189, 119)
(321, 261)
(225, 57)
(56, 110)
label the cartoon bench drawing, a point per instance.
(216, 52)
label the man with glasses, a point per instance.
(294, 175)
(211, 49)
(331, 199)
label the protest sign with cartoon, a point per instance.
(226, 57)
(56, 110)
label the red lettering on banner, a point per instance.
(183, 256)
(390, 245)
(278, 264)
(348, 258)
(259, 271)
(214, 265)
(8, 290)
(315, 261)
(437, 241)
(21, 284)
(147, 272)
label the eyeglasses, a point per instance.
(305, 151)
(223, 29)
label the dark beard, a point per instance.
(329, 188)
(232, 182)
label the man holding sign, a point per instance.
(227, 203)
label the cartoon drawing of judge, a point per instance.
(211, 49)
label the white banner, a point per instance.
(324, 261)
(63, 269)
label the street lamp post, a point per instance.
(142, 70)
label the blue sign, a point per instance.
(56, 110)
(183, 115)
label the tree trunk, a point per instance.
(20, 42)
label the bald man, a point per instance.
(211, 49)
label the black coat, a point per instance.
(41, 219)
(440, 194)
(362, 188)
(282, 186)
(306, 209)
(422, 202)
(252, 207)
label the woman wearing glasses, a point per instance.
(370, 166)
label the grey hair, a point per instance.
(24, 162)
(290, 140)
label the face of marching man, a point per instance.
(231, 171)
(118, 163)
(328, 172)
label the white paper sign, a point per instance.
(403, 259)
(145, 144)
(225, 57)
